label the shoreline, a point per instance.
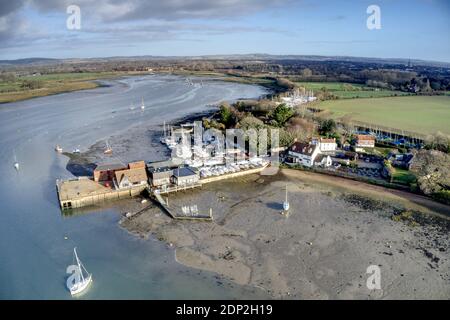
(73, 86)
(403, 192)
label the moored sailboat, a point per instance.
(108, 149)
(16, 163)
(83, 281)
(286, 202)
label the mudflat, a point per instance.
(335, 230)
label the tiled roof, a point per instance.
(110, 166)
(365, 137)
(303, 148)
(325, 140)
(133, 175)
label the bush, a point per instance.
(442, 196)
(31, 84)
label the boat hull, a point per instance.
(81, 287)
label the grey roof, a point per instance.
(159, 169)
(110, 166)
(171, 163)
(184, 172)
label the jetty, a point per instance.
(181, 215)
(84, 191)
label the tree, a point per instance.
(250, 122)
(282, 113)
(306, 72)
(327, 127)
(438, 141)
(432, 168)
(7, 77)
(31, 84)
(226, 115)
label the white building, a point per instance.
(323, 160)
(304, 153)
(364, 141)
(325, 144)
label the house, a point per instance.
(303, 153)
(134, 176)
(325, 144)
(323, 160)
(137, 164)
(160, 176)
(106, 172)
(185, 176)
(364, 141)
(402, 161)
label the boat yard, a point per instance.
(190, 169)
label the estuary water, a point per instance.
(37, 241)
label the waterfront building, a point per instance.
(134, 176)
(106, 172)
(185, 176)
(160, 176)
(303, 153)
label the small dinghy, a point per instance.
(58, 149)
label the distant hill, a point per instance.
(248, 57)
(29, 61)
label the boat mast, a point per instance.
(79, 264)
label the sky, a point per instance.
(416, 29)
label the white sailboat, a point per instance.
(16, 164)
(163, 138)
(108, 149)
(286, 203)
(142, 104)
(79, 286)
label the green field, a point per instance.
(422, 114)
(350, 90)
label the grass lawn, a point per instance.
(422, 114)
(350, 90)
(404, 177)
